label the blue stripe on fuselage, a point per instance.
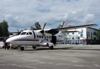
(27, 39)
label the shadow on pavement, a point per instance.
(63, 48)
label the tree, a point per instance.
(4, 28)
(1, 30)
(98, 34)
(37, 26)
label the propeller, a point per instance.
(18, 32)
(42, 31)
(44, 26)
(63, 24)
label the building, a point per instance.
(86, 35)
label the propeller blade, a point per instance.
(18, 32)
(63, 24)
(42, 31)
(44, 26)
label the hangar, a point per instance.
(86, 35)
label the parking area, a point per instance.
(61, 57)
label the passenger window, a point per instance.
(30, 33)
(45, 36)
(37, 36)
(41, 36)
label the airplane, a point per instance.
(44, 37)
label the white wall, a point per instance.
(1, 43)
(78, 34)
(85, 30)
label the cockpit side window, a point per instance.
(26, 33)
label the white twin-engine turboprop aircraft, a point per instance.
(44, 37)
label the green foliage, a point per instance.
(98, 34)
(38, 26)
(1, 30)
(4, 29)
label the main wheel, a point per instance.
(22, 48)
(34, 47)
(51, 47)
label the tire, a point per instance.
(47, 44)
(34, 47)
(51, 47)
(22, 48)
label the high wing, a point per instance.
(56, 30)
(74, 27)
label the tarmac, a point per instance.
(61, 57)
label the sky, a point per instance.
(22, 14)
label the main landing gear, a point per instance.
(51, 47)
(21, 48)
(34, 47)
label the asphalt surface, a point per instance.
(62, 57)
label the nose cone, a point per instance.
(12, 39)
(9, 40)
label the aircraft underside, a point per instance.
(25, 46)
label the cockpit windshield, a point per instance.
(23, 33)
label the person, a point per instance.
(5, 43)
